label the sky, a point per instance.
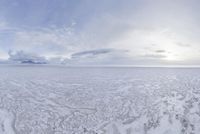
(103, 32)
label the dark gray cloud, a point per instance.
(97, 52)
(160, 51)
(91, 53)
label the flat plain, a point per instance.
(99, 100)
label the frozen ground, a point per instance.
(61, 100)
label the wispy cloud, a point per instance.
(94, 53)
(183, 44)
(98, 56)
(155, 56)
(47, 42)
(3, 25)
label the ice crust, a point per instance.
(66, 100)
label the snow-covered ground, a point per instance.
(61, 100)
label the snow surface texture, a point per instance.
(61, 100)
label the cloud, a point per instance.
(98, 57)
(91, 53)
(3, 25)
(154, 56)
(160, 51)
(23, 57)
(183, 44)
(70, 28)
(56, 60)
(46, 41)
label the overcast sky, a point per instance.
(124, 32)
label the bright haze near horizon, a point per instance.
(103, 32)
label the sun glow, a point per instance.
(173, 52)
(167, 42)
(172, 57)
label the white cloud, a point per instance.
(23, 57)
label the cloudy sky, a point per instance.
(122, 32)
